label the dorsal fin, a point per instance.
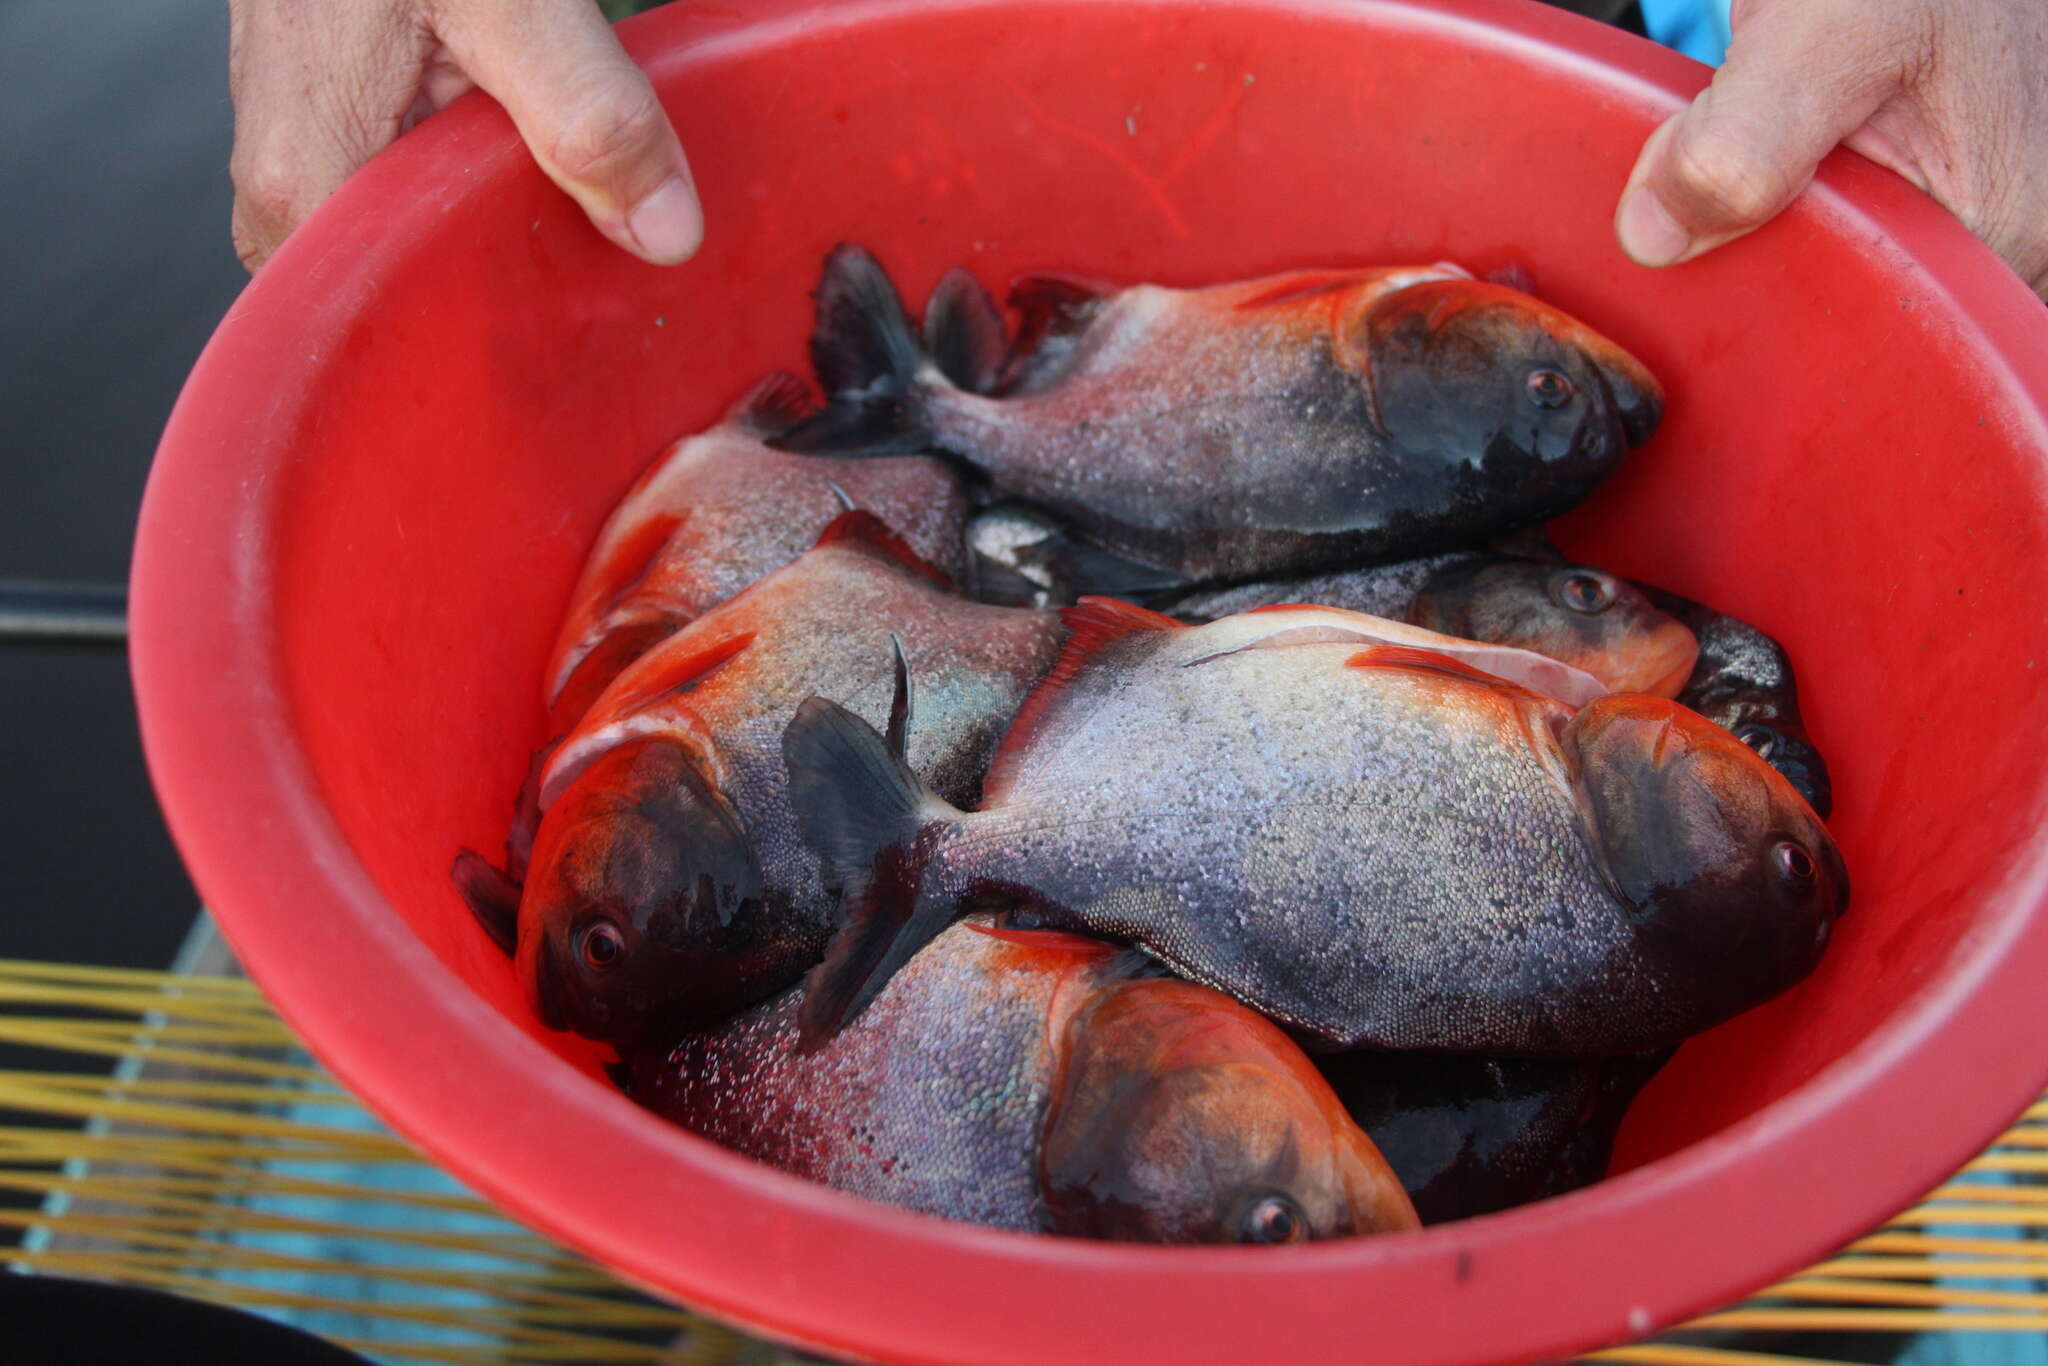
(964, 333)
(1053, 305)
(1092, 625)
(1514, 275)
(1412, 659)
(1306, 284)
(860, 528)
(773, 406)
(667, 672)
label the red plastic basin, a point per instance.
(374, 494)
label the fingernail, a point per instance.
(1649, 234)
(668, 225)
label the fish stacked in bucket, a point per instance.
(1148, 776)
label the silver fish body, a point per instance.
(1356, 827)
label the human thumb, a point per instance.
(589, 116)
(1797, 81)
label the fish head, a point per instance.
(1573, 613)
(1465, 370)
(637, 866)
(1179, 1116)
(1781, 744)
(1726, 871)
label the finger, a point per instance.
(1801, 76)
(588, 114)
(316, 95)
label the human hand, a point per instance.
(1951, 94)
(320, 86)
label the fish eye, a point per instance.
(1274, 1219)
(1762, 739)
(1582, 591)
(1793, 863)
(1548, 389)
(601, 946)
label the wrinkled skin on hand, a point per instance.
(321, 86)
(1950, 94)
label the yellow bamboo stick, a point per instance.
(1869, 1321)
(218, 1092)
(1904, 1296)
(186, 1057)
(174, 1149)
(250, 1221)
(1927, 1268)
(1960, 1214)
(1992, 1194)
(2011, 1162)
(565, 1276)
(59, 1101)
(1926, 1244)
(137, 977)
(257, 1032)
(1675, 1354)
(225, 1010)
(443, 1355)
(251, 1181)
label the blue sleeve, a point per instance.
(1698, 28)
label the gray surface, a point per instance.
(114, 269)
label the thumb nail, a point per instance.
(668, 225)
(1648, 232)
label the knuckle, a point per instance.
(1716, 170)
(608, 133)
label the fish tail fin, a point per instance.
(872, 823)
(868, 359)
(965, 334)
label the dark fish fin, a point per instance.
(866, 531)
(1529, 542)
(867, 817)
(526, 813)
(774, 405)
(964, 333)
(1053, 306)
(492, 897)
(1083, 570)
(999, 585)
(620, 1074)
(867, 358)
(1092, 624)
(679, 671)
(899, 702)
(1514, 275)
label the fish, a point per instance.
(668, 885)
(1040, 1082)
(1586, 617)
(1284, 424)
(719, 510)
(1744, 682)
(1470, 1134)
(1374, 834)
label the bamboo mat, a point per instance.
(220, 1162)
